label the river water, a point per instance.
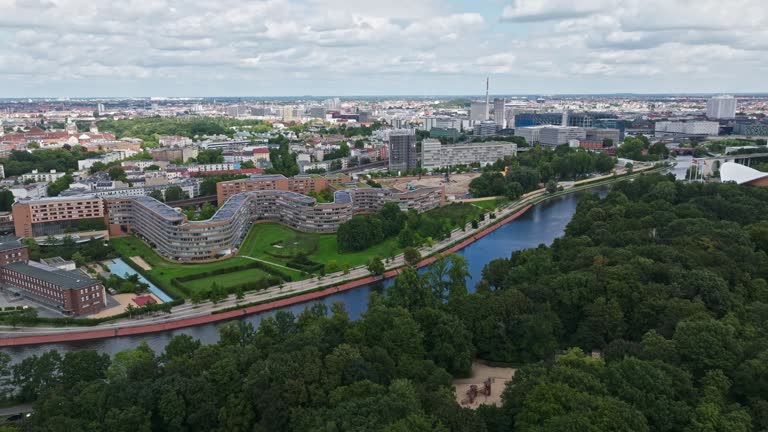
(540, 225)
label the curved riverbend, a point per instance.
(540, 224)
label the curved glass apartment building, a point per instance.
(173, 236)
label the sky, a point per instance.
(87, 48)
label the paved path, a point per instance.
(266, 262)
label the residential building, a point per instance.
(55, 215)
(554, 136)
(436, 155)
(45, 177)
(173, 236)
(174, 141)
(170, 154)
(30, 191)
(721, 108)
(299, 184)
(402, 150)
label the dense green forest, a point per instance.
(665, 281)
(528, 170)
(61, 160)
(148, 129)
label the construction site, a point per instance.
(456, 185)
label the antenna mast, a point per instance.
(487, 100)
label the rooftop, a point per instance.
(9, 243)
(63, 279)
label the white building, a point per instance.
(429, 122)
(721, 107)
(485, 129)
(31, 191)
(530, 133)
(46, 177)
(113, 156)
(435, 155)
(554, 136)
(500, 112)
(478, 111)
(707, 128)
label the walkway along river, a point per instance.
(541, 224)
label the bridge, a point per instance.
(708, 165)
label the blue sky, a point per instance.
(71, 48)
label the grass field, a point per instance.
(490, 204)
(262, 236)
(164, 271)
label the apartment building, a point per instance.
(435, 155)
(46, 177)
(51, 216)
(299, 184)
(173, 236)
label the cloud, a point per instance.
(237, 47)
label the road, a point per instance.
(187, 310)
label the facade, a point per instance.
(721, 108)
(486, 129)
(402, 150)
(299, 184)
(11, 251)
(437, 156)
(170, 154)
(707, 128)
(51, 216)
(71, 292)
(430, 122)
(530, 133)
(173, 236)
(46, 177)
(554, 136)
(500, 112)
(478, 111)
(751, 130)
(596, 134)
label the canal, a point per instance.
(540, 225)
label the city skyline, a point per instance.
(69, 48)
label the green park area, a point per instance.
(282, 245)
(183, 280)
(272, 253)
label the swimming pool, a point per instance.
(120, 268)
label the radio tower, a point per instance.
(487, 100)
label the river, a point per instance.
(540, 225)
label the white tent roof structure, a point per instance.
(734, 172)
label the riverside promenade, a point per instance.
(188, 315)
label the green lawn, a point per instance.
(262, 236)
(228, 280)
(490, 204)
(164, 271)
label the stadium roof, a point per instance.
(734, 172)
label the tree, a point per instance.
(551, 186)
(6, 200)
(59, 185)
(376, 266)
(117, 173)
(157, 194)
(412, 256)
(175, 193)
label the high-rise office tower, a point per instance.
(402, 150)
(500, 112)
(721, 107)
